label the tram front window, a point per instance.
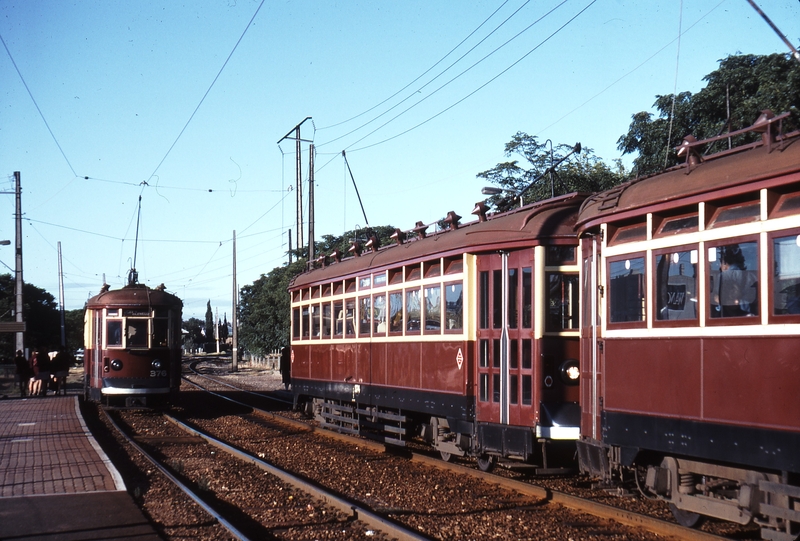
(136, 334)
(114, 332)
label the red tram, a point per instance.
(132, 340)
(690, 339)
(467, 338)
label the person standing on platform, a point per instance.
(61, 364)
(23, 373)
(35, 385)
(286, 366)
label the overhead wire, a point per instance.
(433, 66)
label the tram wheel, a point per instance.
(486, 463)
(446, 457)
(686, 518)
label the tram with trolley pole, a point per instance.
(132, 339)
(690, 337)
(466, 338)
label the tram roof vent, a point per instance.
(421, 229)
(337, 256)
(480, 210)
(355, 248)
(399, 236)
(452, 219)
(373, 243)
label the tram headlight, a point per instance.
(116, 364)
(156, 364)
(570, 372)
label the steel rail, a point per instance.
(216, 380)
(358, 512)
(216, 515)
(623, 516)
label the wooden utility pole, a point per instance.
(20, 342)
(61, 298)
(234, 322)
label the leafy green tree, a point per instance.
(745, 85)
(580, 172)
(73, 325)
(328, 243)
(40, 310)
(194, 338)
(265, 312)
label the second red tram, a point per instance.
(132, 339)
(467, 338)
(691, 334)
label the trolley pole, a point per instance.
(311, 250)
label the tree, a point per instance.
(73, 324)
(329, 243)
(194, 327)
(42, 320)
(265, 310)
(209, 328)
(743, 84)
(580, 172)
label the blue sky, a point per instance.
(137, 100)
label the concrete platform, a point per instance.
(55, 481)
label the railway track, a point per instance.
(537, 495)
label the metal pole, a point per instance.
(311, 251)
(299, 189)
(61, 297)
(20, 339)
(234, 318)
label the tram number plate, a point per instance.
(158, 373)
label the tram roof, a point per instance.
(134, 295)
(743, 169)
(549, 220)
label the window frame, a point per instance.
(638, 324)
(729, 321)
(774, 318)
(654, 287)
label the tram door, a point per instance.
(505, 338)
(591, 343)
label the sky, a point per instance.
(166, 117)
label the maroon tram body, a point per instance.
(467, 338)
(132, 342)
(690, 365)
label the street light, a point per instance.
(492, 190)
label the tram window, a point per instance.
(513, 289)
(629, 234)
(676, 285)
(454, 306)
(786, 284)
(338, 287)
(484, 388)
(527, 296)
(413, 312)
(396, 276)
(433, 309)
(789, 204)
(379, 279)
(379, 315)
(496, 353)
(365, 282)
(136, 333)
(483, 361)
(296, 323)
(681, 224)
(306, 325)
(326, 290)
(326, 320)
(454, 265)
(432, 268)
(526, 355)
(513, 354)
(527, 390)
(733, 276)
(559, 255)
(513, 385)
(413, 273)
(114, 332)
(350, 285)
(315, 315)
(350, 317)
(495, 387)
(587, 296)
(737, 214)
(497, 299)
(364, 316)
(396, 312)
(627, 290)
(483, 292)
(160, 332)
(112, 312)
(562, 302)
(338, 317)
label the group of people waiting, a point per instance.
(42, 372)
